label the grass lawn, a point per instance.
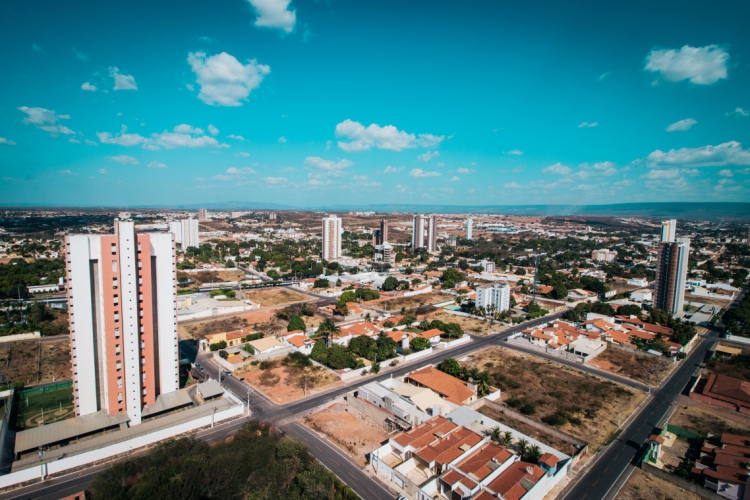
(33, 408)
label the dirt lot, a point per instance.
(469, 325)
(274, 297)
(642, 485)
(643, 368)
(201, 329)
(706, 300)
(283, 384)
(356, 434)
(414, 301)
(212, 276)
(579, 404)
(24, 363)
(703, 419)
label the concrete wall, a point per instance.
(65, 464)
(367, 409)
(682, 483)
(737, 338)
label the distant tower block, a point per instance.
(469, 223)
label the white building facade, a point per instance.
(123, 320)
(497, 296)
(331, 237)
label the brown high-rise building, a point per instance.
(380, 236)
(671, 275)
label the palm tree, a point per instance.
(534, 454)
(522, 446)
(483, 383)
(507, 438)
(496, 434)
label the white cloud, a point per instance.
(728, 153)
(243, 154)
(512, 185)
(122, 82)
(726, 185)
(738, 112)
(330, 167)
(223, 79)
(455, 178)
(122, 139)
(103, 171)
(361, 181)
(236, 137)
(623, 183)
(187, 129)
(585, 187)
(171, 140)
(446, 189)
(275, 180)
(274, 14)
(80, 55)
(604, 168)
(518, 170)
(124, 159)
(700, 65)
(603, 76)
(67, 172)
(392, 170)
(213, 130)
(558, 169)
(419, 173)
(671, 173)
(282, 139)
(240, 171)
(464, 171)
(37, 48)
(429, 155)
(440, 164)
(389, 137)
(46, 119)
(588, 125)
(726, 173)
(88, 87)
(156, 164)
(89, 142)
(223, 177)
(516, 152)
(73, 140)
(7, 142)
(681, 125)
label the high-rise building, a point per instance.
(272, 216)
(123, 320)
(497, 296)
(385, 253)
(604, 255)
(380, 235)
(202, 214)
(186, 233)
(424, 232)
(671, 275)
(469, 222)
(668, 231)
(331, 237)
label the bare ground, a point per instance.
(356, 434)
(542, 389)
(395, 305)
(284, 384)
(469, 325)
(24, 364)
(703, 418)
(642, 485)
(274, 297)
(643, 368)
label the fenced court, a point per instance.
(43, 405)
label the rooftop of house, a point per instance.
(451, 388)
(448, 448)
(728, 388)
(482, 462)
(425, 433)
(428, 334)
(516, 480)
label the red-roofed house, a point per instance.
(465, 477)
(516, 481)
(448, 387)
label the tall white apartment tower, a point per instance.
(331, 237)
(123, 320)
(186, 233)
(668, 231)
(424, 232)
(469, 222)
(417, 232)
(495, 295)
(432, 233)
(202, 214)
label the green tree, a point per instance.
(386, 347)
(419, 344)
(390, 284)
(630, 310)
(496, 434)
(296, 323)
(453, 275)
(217, 346)
(375, 368)
(318, 352)
(450, 366)
(321, 283)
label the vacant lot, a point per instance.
(703, 419)
(274, 297)
(735, 371)
(579, 404)
(283, 384)
(21, 361)
(356, 434)
(469, 325)
(706, 300)
(208, 277)
(642, 485)
(640, 367)
(201, 329)
(395, 305)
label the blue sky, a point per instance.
(311, 103)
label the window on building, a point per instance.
(118, 365)
(117, 317)
(139, 247)
(116, 299)
(143, 344)
(114, 266)
(144, 391)
(144, 376)
(117, 332)
(117, 349)
(114, 249)
(139, 263)
(119, 382)
(119, 398)
(114, 283)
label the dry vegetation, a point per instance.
(578, 404)
(703, 419)
(20, 361)
(642, 485)
(212, 276)
(395, 305)
(641, 367)
(274, 297)
(706, 300)
(201, 329)
(284, 383)
(469, 325)
(357, 435)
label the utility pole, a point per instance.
(213, 412)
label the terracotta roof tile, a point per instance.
(451, 388)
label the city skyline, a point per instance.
(490, 104)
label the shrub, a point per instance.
(266, 364)
(217, 346)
